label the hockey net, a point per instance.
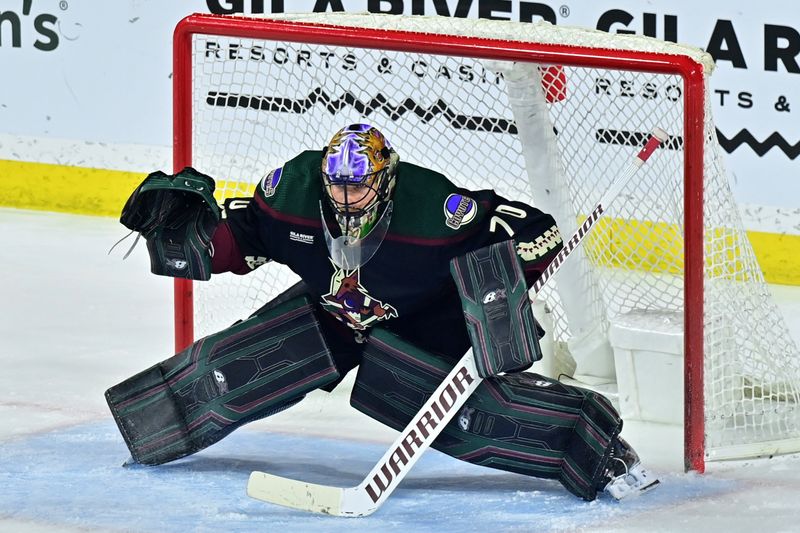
(465, 97)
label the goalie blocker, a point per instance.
(494, 296)
(251, 370)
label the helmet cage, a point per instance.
(358, 170)
(355, 188)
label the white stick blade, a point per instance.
(295, 494)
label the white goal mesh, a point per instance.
(257, 101)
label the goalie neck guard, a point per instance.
(358, 175)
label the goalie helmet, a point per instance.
(358, 175)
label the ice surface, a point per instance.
(74, 321)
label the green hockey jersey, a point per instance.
(433, 221)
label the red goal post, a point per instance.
(329, 31)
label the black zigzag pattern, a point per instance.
(775, 140)
(744, 137)
(471, 122)
(377, 103)
(634, 138)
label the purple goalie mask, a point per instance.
(358, 173)
(356, 154)
(358, 169)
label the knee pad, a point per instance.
(251, 370)
(523, 423)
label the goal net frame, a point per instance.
(690, 69)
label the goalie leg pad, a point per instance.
(251, 370)
(523, 423)
(494, 296)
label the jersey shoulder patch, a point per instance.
(269, 183)
(459, 210)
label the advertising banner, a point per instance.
(100, 72)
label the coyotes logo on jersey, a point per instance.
(350, 302)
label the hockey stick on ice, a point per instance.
(444, 403)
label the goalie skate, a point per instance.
(625, 476)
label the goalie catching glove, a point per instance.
(177, 216)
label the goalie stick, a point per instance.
(365, 498)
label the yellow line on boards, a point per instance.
(80, 190)
(778, 255)
(620, 243)
(658, 247)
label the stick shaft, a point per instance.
(654, 141)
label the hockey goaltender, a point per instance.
(402, 272)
